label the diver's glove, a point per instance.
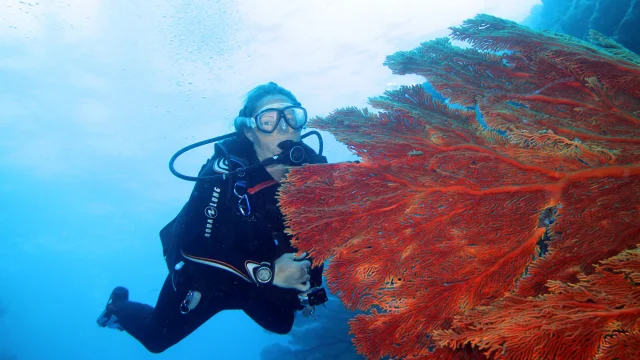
(298, 153)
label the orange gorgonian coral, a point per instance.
(481, 227)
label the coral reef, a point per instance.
(497, 225)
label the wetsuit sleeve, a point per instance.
(206, 225)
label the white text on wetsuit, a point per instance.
(211, 211)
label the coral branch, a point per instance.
(580, 321)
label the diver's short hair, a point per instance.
(254, 97)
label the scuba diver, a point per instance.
(227, 249)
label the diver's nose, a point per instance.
(283, 127)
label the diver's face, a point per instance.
(266, 145)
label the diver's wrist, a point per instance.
(264, 274)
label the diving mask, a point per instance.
(268, 118)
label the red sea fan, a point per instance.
(597, 318)
(534, 178)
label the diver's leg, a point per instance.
(161, 327)
(273, 317)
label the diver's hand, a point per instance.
(291, 272)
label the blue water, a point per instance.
(95, 96)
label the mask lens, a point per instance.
(296, 117)
(267, 120)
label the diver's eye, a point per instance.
(268, 118)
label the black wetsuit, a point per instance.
(217, 246)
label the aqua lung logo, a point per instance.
(221, 166)
(211, 211)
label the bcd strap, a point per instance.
(261, 186)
